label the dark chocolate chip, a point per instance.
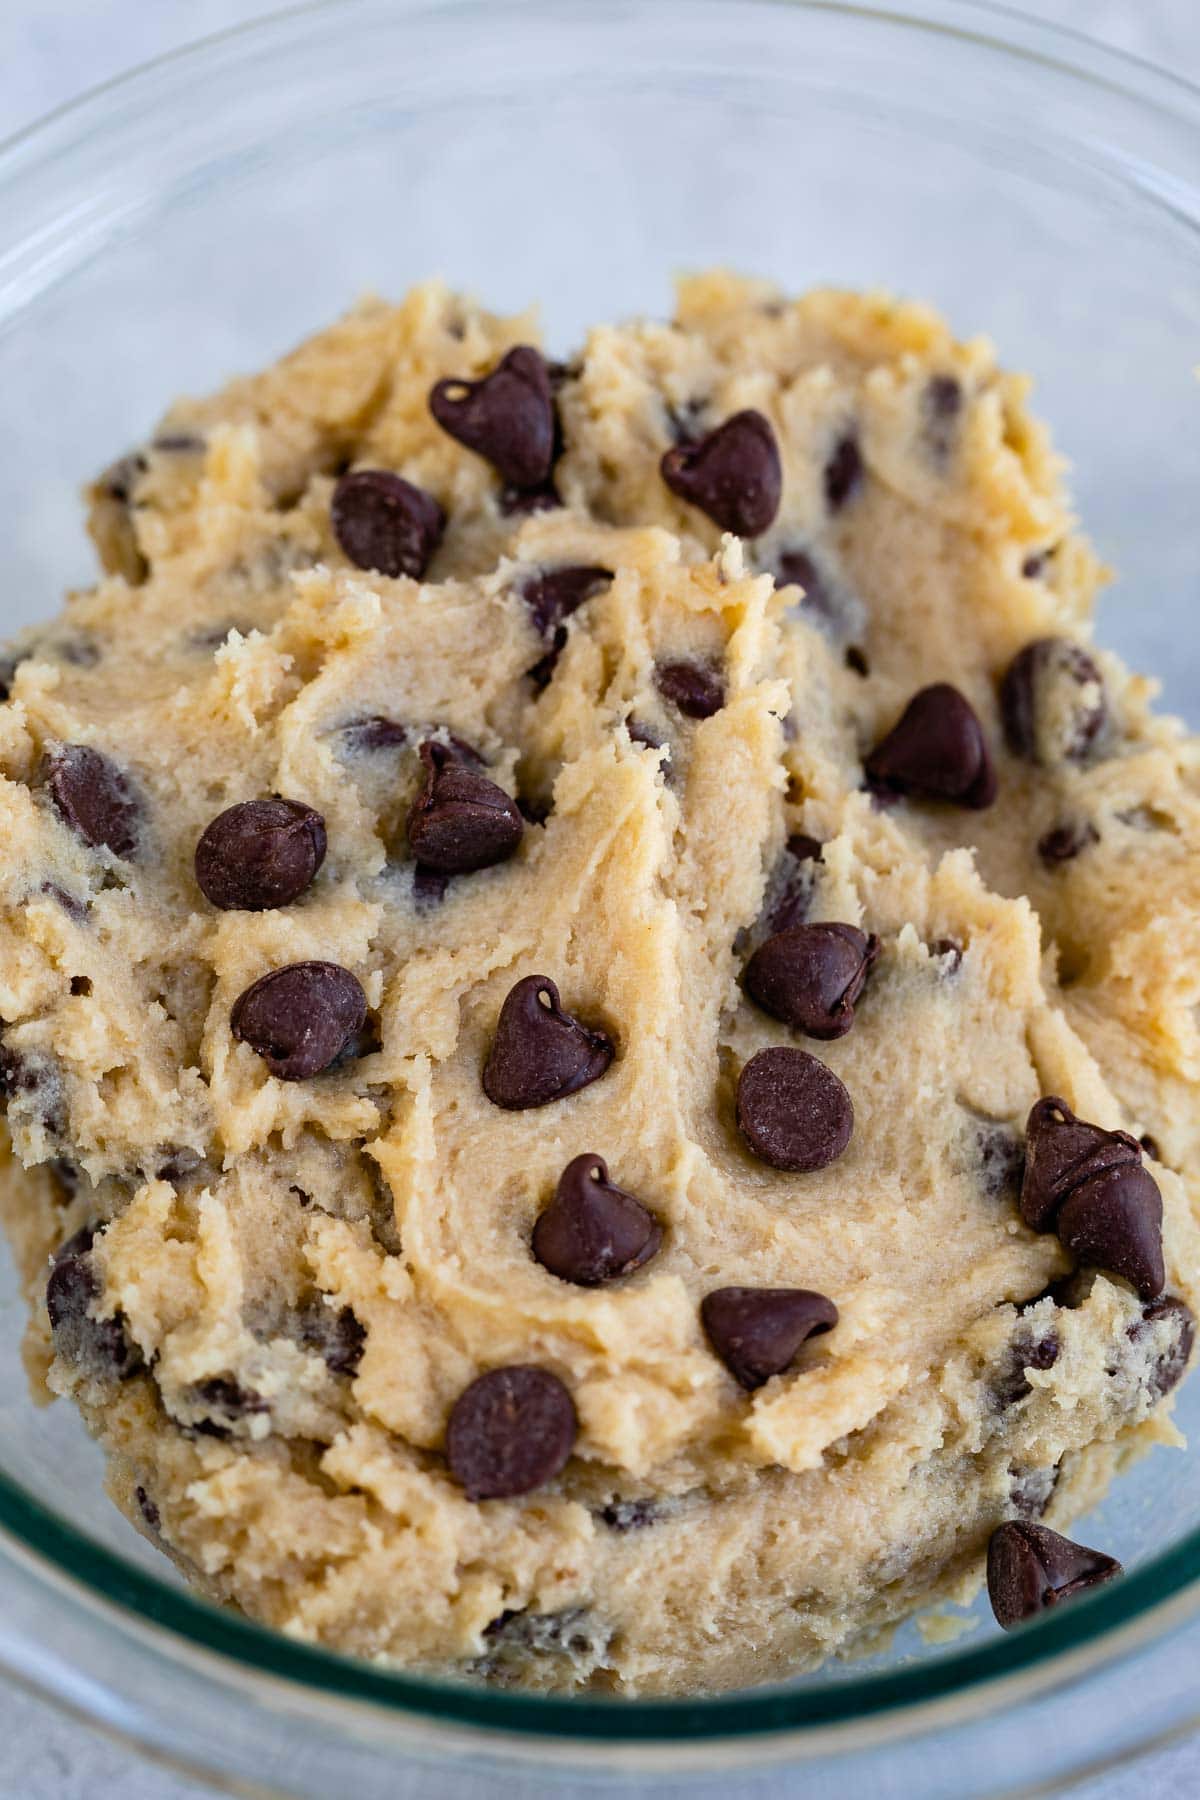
(260, 854)
(428, 887)
(793, 1111)
(541, 1053)
(757, 1332)
(697, 690)
(75, 909)
(299, 1018)
(1001, 1155)
(571, 1632)
(936, 751)
(31, 1083)
(1170, 1362)
(147, 1508)
(1089, 1185)
(796, 568)
(1034, 566)
(811, 976)
(949, 952)
(225, 1401)
(1025, 1353)
(551, 598)
(385, 524)
(734, 474)
(642, 734)
(366, 736)
(93, 797)
(508, 417)
(941, 407)
(338, 1336)
(98, 1347)
(1114, 1222)
(630, 1515)
(1053, 702)
(1063, 843)
(460, 821)
(790, 888)
(1030, 1568)
(510, 1431)
(594, 1232)
(856, 661)
(843, 473)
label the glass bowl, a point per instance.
(197, 217)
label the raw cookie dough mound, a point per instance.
(922, 513)
(459, 1264)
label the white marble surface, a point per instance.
(52, 49)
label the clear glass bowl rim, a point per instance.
(1059, 1647)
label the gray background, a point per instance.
(51, 50)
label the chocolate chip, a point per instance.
(75, 909)
(226, 1402)
(697, 690)
(793, 1111)
(428, 887)
(1150, 1146)
(936, 751)
(460, 821)
(1030, 1568)
(1001, 1154)
(1063, 843)
(642, 734)
(733, 474)
(1025, 1353)
(337, 1336)
(1053, 702)
(1034, 565)
(594, 1232)
(796, 568)
(147, 1508)
(385, 524)
(571, 1632)
(541, 1053)
(1114, 1222)
(941, 407)
(510, 1431)
(856, 661)
(790, 888)
(811, 976)
(31, 1084)
(1172, 1360)
(552, 597)
(178, 1163)
(260, 854)
(299, 1018)
(93, 797)
(757, 1332)
(1089, 1186)
(179, 443)
(98, 1347)
(949, 953)
(366, 736)
(630, 1515)
(508, 417)
(843, 473)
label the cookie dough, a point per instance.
(518, 1074)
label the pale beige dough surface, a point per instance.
(699, 1536)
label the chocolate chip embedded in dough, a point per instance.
(541, 1053)
(593, 1232)
(93, 797)
(811, 976)
(300, 1018)
(98, 1347)
(757, 1332)
(510, 1431)
(793, 1111)
(1053, 702)
(936, 751)
(507, 417)
(1089, 1185)
(460, 821)
(733, 474)
(695, 689)
(1063, 843)
(260, 854)
(842, 476)
(386, 524)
